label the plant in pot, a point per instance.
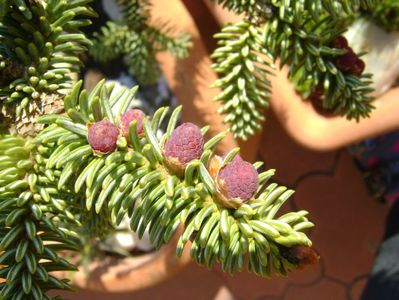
(90, 161)
(314, 62)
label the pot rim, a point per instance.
(133, 273)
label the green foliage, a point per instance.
(244, 64)
(138, 41)
(297, 34)
(311, 62)
(35, 221)
(264, 7)
(40, 43)
(136, 180)
(136, 13)
(334, 8)
(251, 7)
(386, 14)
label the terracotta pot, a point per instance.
(117, 275)
(221, 14)
(308, 127)
(317, 132)
(190, 78)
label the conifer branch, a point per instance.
(136, 13)
(300, 34)
(316, 8)
(244, 64)
(385, 14)
(312, 63)
(36, 221)
(59, 187)
(138, 41)
(42, 41)
(139, 180)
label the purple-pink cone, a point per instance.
(103, 136)
(238, 179)
(236, 157)
(346, 61)
(130, 116)
(185, 144)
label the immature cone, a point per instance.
(317, 98)
(358, 68)
(185, 144)
(130, 116)
(216, 163)
(340, 43)
(347, 61)
(300, 256)
(236, 158)
(103, 136)
(237, 182)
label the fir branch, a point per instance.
(316, 8)
(165, 40)
(334, 8)
(36, 222)
(141, 59)
(110, 43)
(385, 14)
(138, 41)
(137, 49)
(45, 41)
(136, 13)
(305, 46)
(299, 34)
(244, 63)
(138, 180)
(57, 189)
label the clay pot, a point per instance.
(311, 129)
(117, 275)
(318, 132)
(190, 78)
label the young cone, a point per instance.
(237, 182)
(185, 144)
(103, 136)
(130, 116)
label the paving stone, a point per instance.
(323, 290)
(291, 160)
(248, 286)
(349, 223)
(357, 287)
